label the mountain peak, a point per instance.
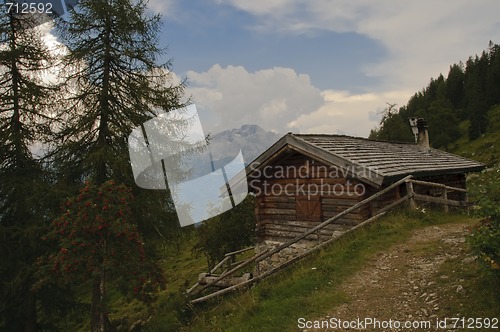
(251, 139)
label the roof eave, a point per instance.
(393, 178)
(292, 142)
(374, 179)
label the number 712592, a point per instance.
(28, 8)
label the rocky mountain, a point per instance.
(251, 139)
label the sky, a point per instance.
(316, 66)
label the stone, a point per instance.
(469, 259)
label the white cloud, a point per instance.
(165, 7)
(279, 99)
(230, 97)
(422, 38)
(346, 113)
(260, 7)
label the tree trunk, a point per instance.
(98, 319)
(31, 319)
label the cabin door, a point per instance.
(308, 207)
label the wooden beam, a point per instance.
(204, 278)
(220, 264)
(192, 288)
(438, 185)
(445, 198)
(439, 200)
(238, 251)
(231, 271)
(393, 204)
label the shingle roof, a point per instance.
(387, 161)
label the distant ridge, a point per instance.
(252, 140)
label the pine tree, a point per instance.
(233, 230)
(393, 127)
(114, 83)
(24, 121)
(455, 88)
(476, 74)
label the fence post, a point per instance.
(466, 200)
(445, 197)
(411, 193)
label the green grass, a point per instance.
(481, 295)
(181, 269)
(485, 149)
(309, 288)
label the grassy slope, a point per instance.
(485, 149)
(275, 303)
(181, 269)
(310, 288)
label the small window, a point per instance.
(308, 207)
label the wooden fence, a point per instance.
(211, 279)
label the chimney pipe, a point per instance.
(423, 135)
(413, 125)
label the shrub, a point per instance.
(95, 241)
(230, 231)
(485, 236)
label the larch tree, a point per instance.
(25, 102)
(114, 83)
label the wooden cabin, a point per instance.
(303, 180)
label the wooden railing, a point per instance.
(229, 261)
(438, 200)
(410, 196)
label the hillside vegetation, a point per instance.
(316, 287)
(462, 110)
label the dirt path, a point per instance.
(400, 284)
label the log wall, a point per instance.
(286, 190)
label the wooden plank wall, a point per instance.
(276, 209)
